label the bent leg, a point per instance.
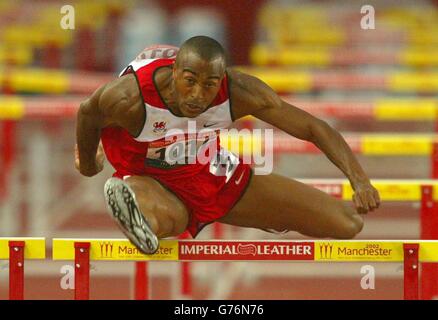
(280, 203)
(145, 210)
(165, 213)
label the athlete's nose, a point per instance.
(197, 94)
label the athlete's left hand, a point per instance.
(366, 198)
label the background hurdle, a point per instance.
(422, 191)
(16, 250)
(410, 252)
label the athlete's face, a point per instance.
(197, 82)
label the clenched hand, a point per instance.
(366, 198)
(96, 168)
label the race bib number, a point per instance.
(224, 164)
(168, 154)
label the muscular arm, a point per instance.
(251, 96)
(117, 103)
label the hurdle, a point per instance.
(302, 55)
(424, 192)
(421, 191)
(410, 252)
(17, 250)
(292, 81)
(381, 145)
(16, 107)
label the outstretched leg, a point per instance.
(280, 203)
(145, 211)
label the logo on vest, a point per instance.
(159, 127)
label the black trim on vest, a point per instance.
(130, 70)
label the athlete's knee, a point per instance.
(349, 225)
(168, 227)
(137, 184)
(167, 215)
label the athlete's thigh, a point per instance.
(159, 205)
(276, 202)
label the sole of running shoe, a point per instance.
(123, 206)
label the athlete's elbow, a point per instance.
(319, 130)
(89, 115)
(87, 174)
(86, 108)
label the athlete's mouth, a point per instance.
(193, 107)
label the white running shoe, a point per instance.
(121, 202)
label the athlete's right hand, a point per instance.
(90, 170)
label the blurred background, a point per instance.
(375, 81)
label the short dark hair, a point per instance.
(205, 47)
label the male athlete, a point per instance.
(151, 196)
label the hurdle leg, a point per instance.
(186, 277)
(16, 270)
(218, 231)
(8, 155)
(410, 275)
(186, 267)
(429, 231)
(82, 270)
(39, 186)
(8, 222)
(141, 281)
(434, 160)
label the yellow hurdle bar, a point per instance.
(243, 250)
(113, 249)
(246, 143)
(35, 248)
(389, 189)
(402, 109)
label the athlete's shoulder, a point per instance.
(248, 93)
(123, 89)
(244, 88)
(244, 83)
(146, 66)
(150, 58)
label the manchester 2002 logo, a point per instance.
(106, 249)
